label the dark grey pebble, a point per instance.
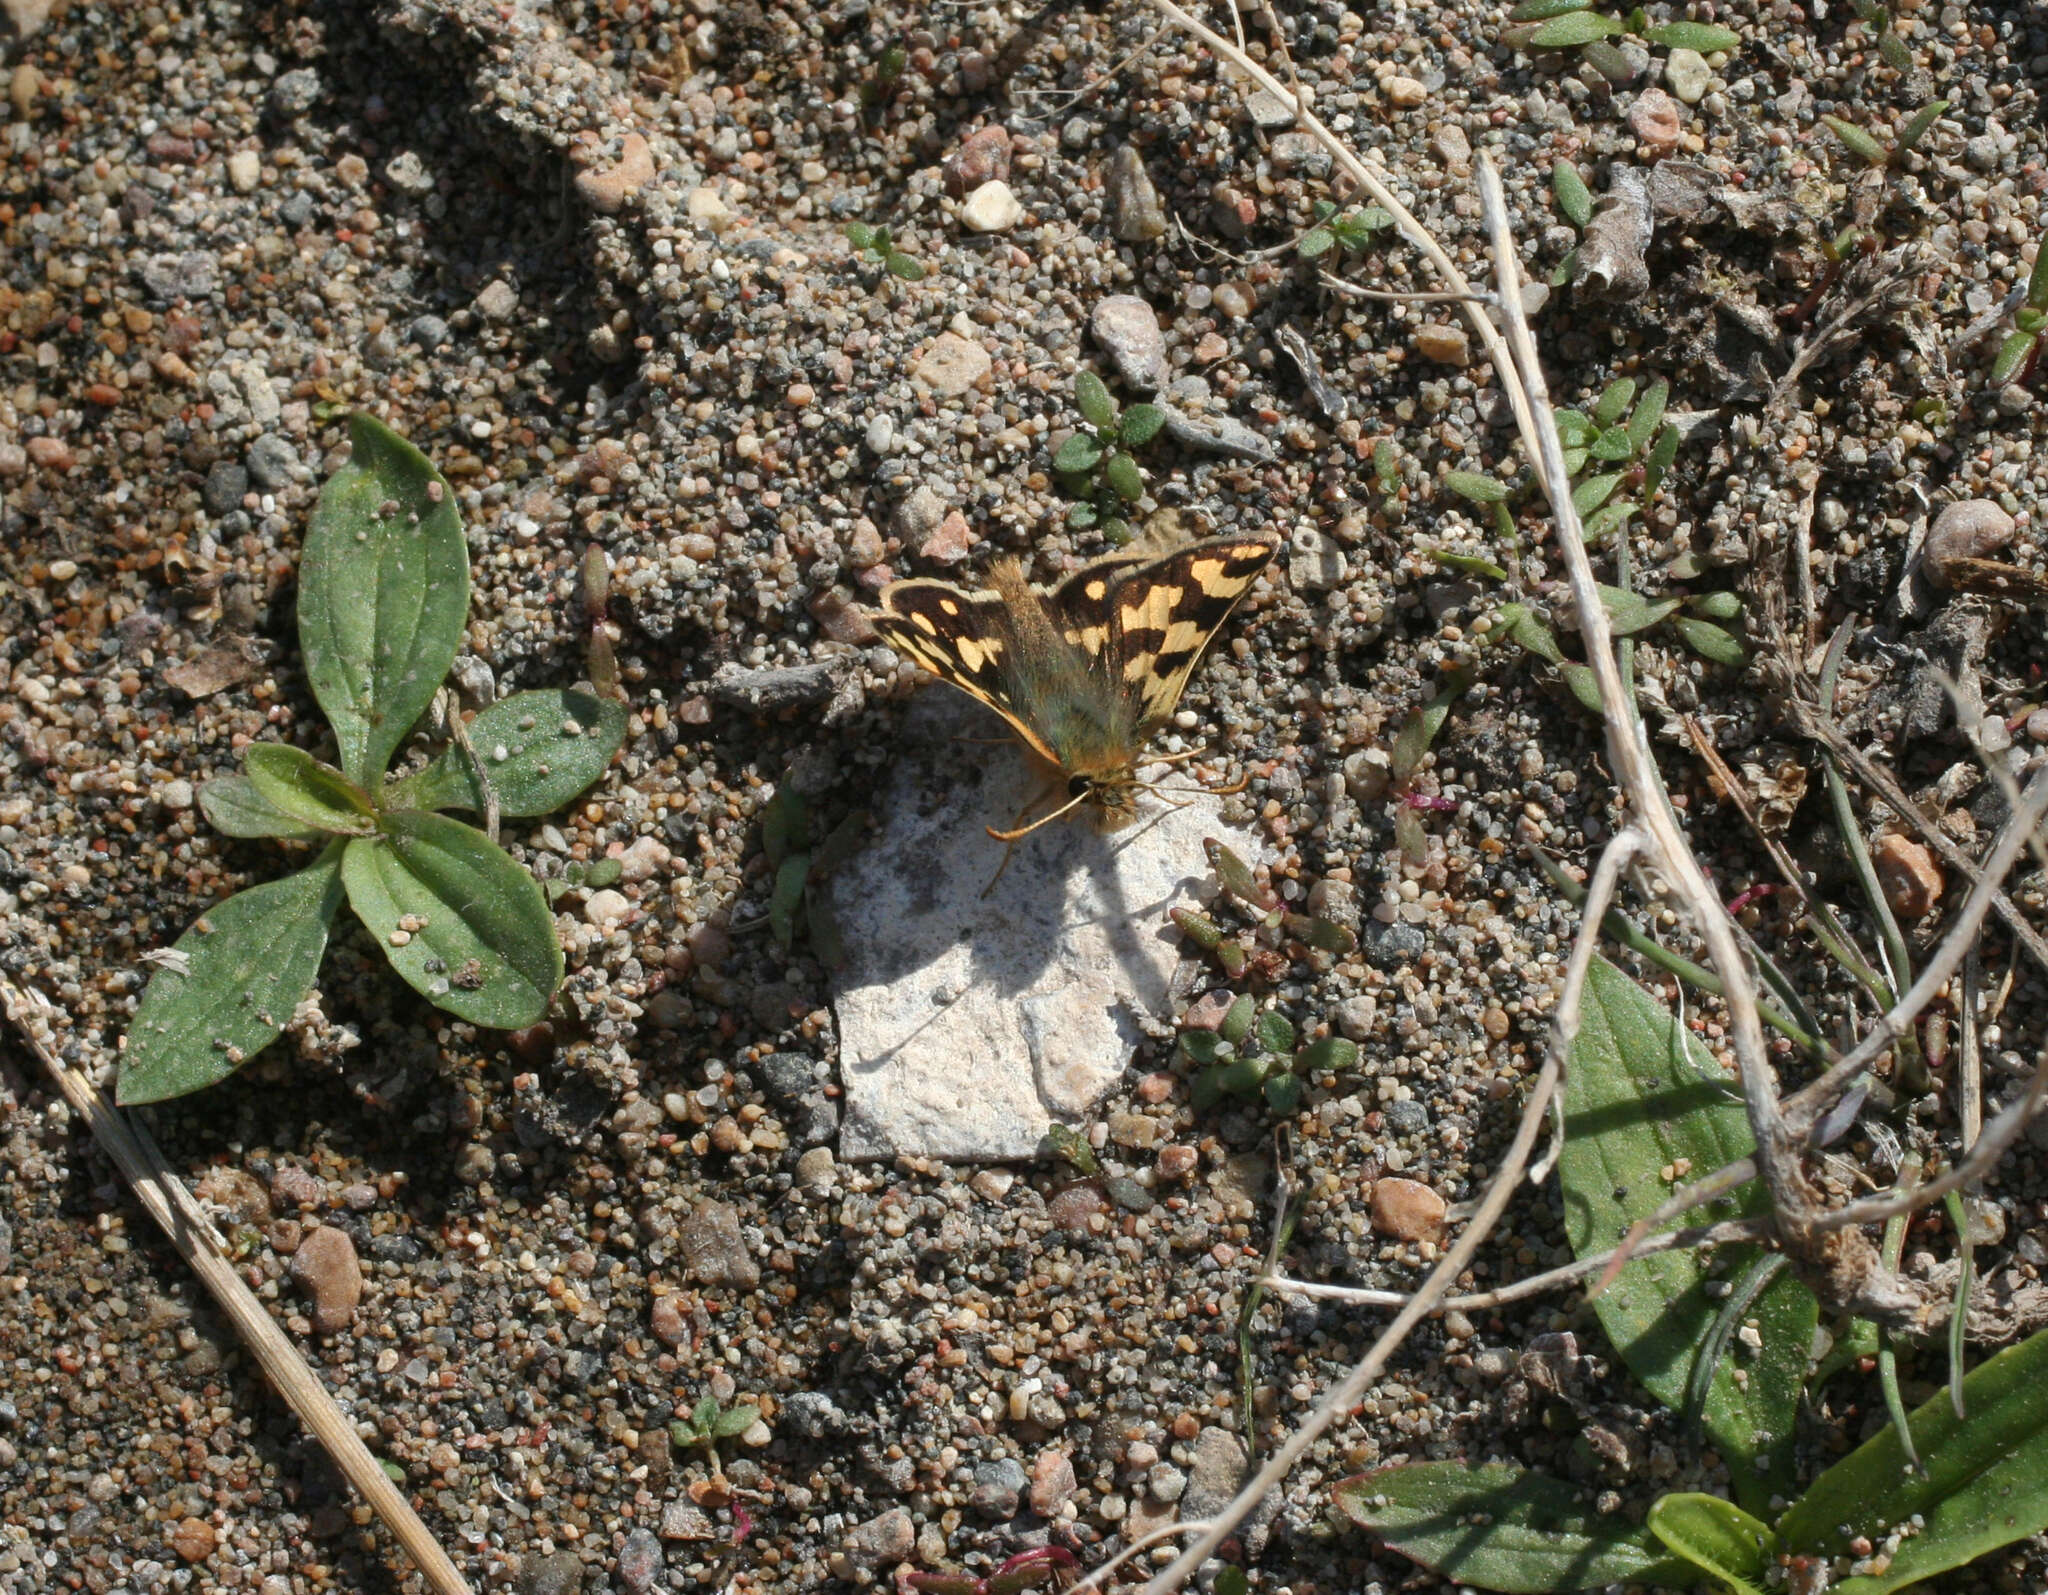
(998, 1487)
(225, 485)
(559, 1574)
(295, 92)
(1406, 1118)
(273, 462)
(812, 1414)
(770, 691)
(1391, 944)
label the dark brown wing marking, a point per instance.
(961, 638)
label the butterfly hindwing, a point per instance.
(960, 637)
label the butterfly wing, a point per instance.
(1161, 614)
(961, 637)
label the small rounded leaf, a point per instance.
(1092, 398)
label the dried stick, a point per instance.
(188, 1228)
(1678, 1240)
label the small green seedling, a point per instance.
(1575, 25)
(802, 862)
(1252, 1055)
(1094, 464)
(1575, 204)
(578, 876)
(1890, 46)
(383, 605)
(1868, 148)
(2018, 355)
(878, 90)
(876, 245)
(709, 1423)
(1351, 233)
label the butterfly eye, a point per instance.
(1080, 786)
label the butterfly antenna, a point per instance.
(1023, 831)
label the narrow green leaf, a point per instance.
(1613, 402)
(1958, 1318)
(1715, 606)
(1283, 1093)
(1091, 398)
(383, 595)
(1584, 685)
(459, 919)
(1501, 1527)
(1468, 564)
(1419, 731)
(1984, 1482)
(1589, 494)
(1648, 414)
(1573, 197)
(785, 825)
(1858, 142)
(860, 235)
(1523, 629)
(1601, 524)
(1718, 1536)
(1709, 641)
(1662, 453)
(539, 749)
(1121, 472)
(1202, 1046)
(1237, 1024)
(1705, 37)
(1573, 428)
(1544, 10)
(1078, 454)
(1629, 613)
(1924, 118)
(2037, 280)
(234, 807)
(313, 794)
(787, 897)
(239, 972)
(1140, 425)
(1645, 1102)
(1893, 49)
(1477, 489)
(1573, 29)
(2012, 354)
(1236, 877)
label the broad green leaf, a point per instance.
(539, 749)
(1283, 1093)
(1276, 1032)
(313, 794)
(1704, 37)
(1078, 454)
(1500, 1527)
(1611, 445)
(1709, 641)
(2037, 281)
(1121, 472)
(1573, 29)
(1091, 398)
(1716, 606)
(383, 595)
(1573, 428)
(1584, 685)
(907, 267)
(1985, 1482)
(1613, 401)
(1629, 613)
(1237, 1024)
(1573, 197)
(1718, 1536)
(239, 972)
(1478, 489)
(1893, 49)
(1646, 1106)
(1140, 425)
(234, 807)
(1601, 524)
(1859, 142)
(860, 235)
(1315, 243)
(735, 1420)
(458, 918)
(1202, 1046)
(1590, 494)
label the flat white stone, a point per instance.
(969, 1025)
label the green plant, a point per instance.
(1871, 1524)
(1575, 25)
(709, 1423)
(1878, 19)
(2017, 354)
(1351, 233)
(878, 90)
(1094, 464)
(876, 244)
(1025, 1570)
(1575, 202)
(383, 604)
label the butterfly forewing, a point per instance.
(961, 637)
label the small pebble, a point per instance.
(951, 366)
(1687, 75)
(1911, 878)
(1128, 330)
(1407, 1210)
(245, 171)
(991, 208)
(1970, 529)
(1138, 214)
(607, 189)
(325, 1267)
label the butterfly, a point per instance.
(1084, 671)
